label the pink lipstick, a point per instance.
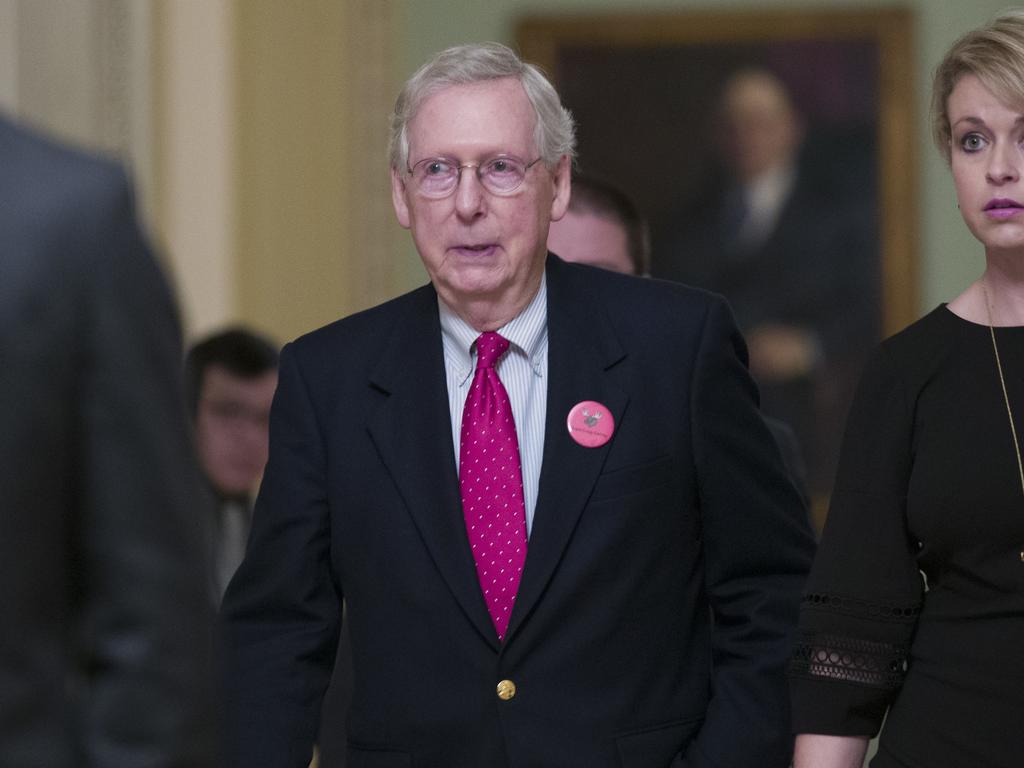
(1003, 208)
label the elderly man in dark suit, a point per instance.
(562, 531)
(105, 591)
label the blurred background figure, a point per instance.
(104, 555)
(602, 227)
(791, 240)
(230, 378)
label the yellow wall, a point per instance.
(315, 236)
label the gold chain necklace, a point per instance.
(1006, 396)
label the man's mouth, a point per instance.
(475, 249)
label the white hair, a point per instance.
(554, 131)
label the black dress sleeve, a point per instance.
(862, 599)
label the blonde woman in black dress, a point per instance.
(914, 610)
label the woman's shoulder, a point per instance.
(924, 341)
(909, 358)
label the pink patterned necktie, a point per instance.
(491, 481)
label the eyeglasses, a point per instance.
(437, 177)
(235, 413)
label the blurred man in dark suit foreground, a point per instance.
(104, 578)
(561, 528)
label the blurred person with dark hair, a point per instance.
(230, 378)
(602, 227)
(104, 552)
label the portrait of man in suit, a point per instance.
(787, 233)
(760, 158)
(562, 532)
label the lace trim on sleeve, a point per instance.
(867, 662)
(852, 606)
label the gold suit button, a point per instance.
(506, 690)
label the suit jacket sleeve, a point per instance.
(282, 611)
(146, 617)
(758, 549)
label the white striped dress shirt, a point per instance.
(523, 371)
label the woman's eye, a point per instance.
(972, 142)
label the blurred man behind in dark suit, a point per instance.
(230, 378)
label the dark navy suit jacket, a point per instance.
(654, 618)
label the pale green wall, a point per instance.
(950, 257)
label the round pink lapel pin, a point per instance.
(590, 424)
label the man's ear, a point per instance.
(398, 200)
(562, 180)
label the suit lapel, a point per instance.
(583, 352)
(412, 431)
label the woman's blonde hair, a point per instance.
(994, 54)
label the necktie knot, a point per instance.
(490, 346)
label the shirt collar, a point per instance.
(769, 190)
(527, 333)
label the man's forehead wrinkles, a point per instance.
(478, 158)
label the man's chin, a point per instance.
(475, 282)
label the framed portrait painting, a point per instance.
(773, 155)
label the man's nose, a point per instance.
(470, 196)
